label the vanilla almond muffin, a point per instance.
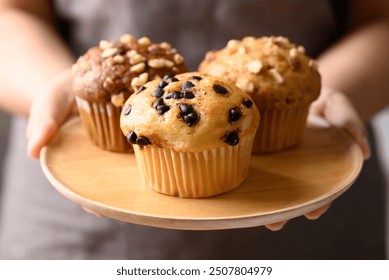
(282, 80)
(192, 134)
(108, 74)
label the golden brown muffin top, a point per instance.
(189, 112)
(114, 70)
(276, 73)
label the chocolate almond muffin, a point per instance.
(106, 75)
(192, 134)
(282, 80)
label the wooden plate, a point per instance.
(279, 186)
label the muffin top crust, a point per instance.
(114, 70)
(275, 72)
(189, 112)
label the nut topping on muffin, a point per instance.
(106, 75)
(281, 79)
(123, 66)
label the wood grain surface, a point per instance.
(279, 186)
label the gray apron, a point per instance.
(36, 222)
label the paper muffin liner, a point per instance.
(194, 174)
(280, 129)
(102, 123)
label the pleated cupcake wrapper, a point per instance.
(197, 174)
(280, 129)
(102, 123)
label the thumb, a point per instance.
(41, 133)
(49, 110)
(337, 109)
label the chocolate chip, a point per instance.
(187, 85)
(172, 80)
(185, 108)
(231, 138)
(127, 110)
(167, 77)
(158, 103)
(191, 118)
(131, 137)
(198, 78)
(187, 95)
(162, 84)
(234, 114)
(173, 94)
(219, 89)
(158, 92)
(142, 141)
(247, 102)
(162, 109)
(140, 89)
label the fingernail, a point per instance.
(366, 148)
(276, 226)
(31, 147)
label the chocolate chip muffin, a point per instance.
(192, 134)
(106, 75)
(282, 80)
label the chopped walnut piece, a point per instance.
(137, 68)
(109, 52)
(104, 44)
(244, 84)
(137, 58)
(107, 82)
(178, 58)
(165, 45)
(254, 66)
(293, 52)
(313, 64)
(301, 49)
(294, 62)
(138, 81)
(293, 59)
(249, 39)
(160, 63)
(232, 44)
(280, 41)
(131, 53)
(209, 56)
(276, 75)
(127, 38)
(144, 41)
(241, 50)
(118, 59)
(118, 99)
(269, 42)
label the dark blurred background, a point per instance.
(4, 126)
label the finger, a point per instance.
(318, 212)
(43, 133)
(276, 226)
(49, 110)
(349, 120)
(358, 132)
(337, 109)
